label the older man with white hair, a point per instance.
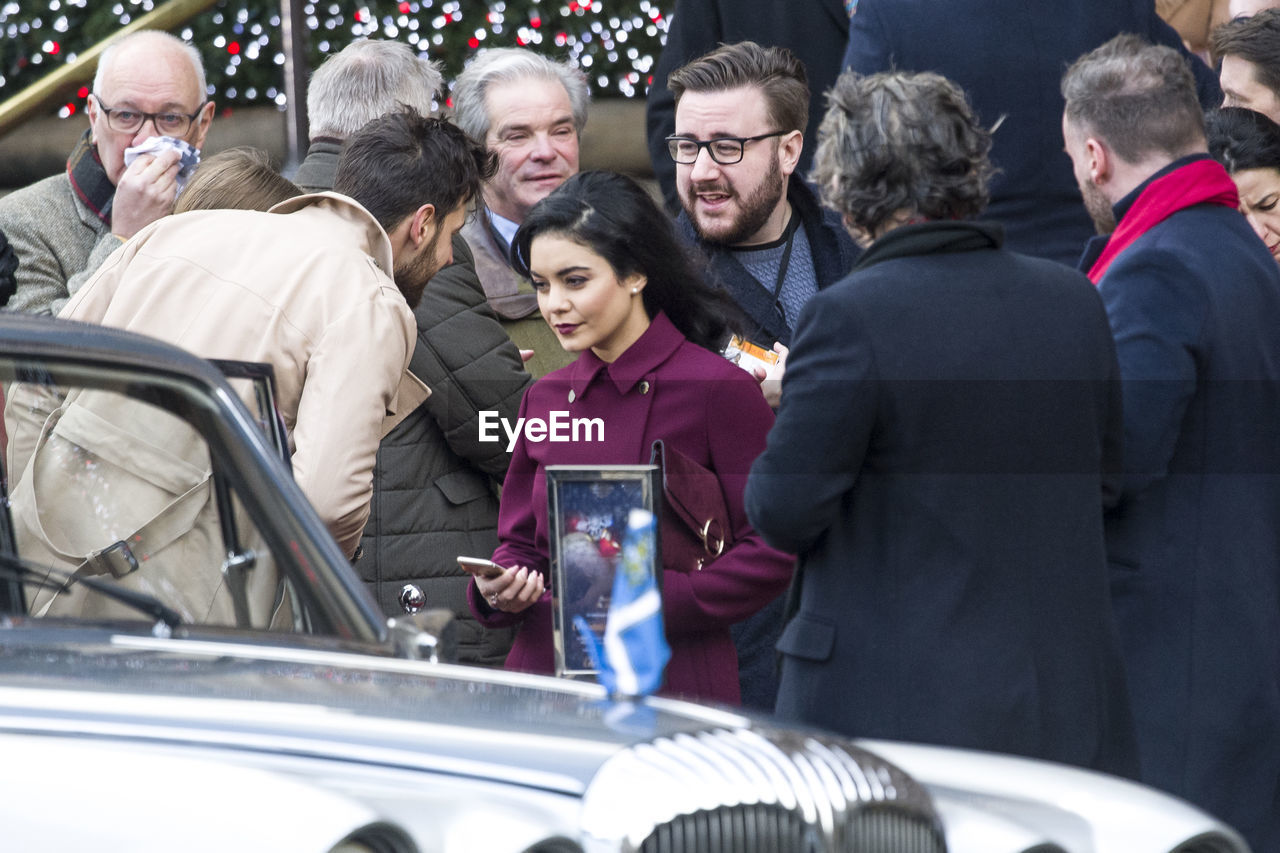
(351, 88)
(529, 111)
(148, 84)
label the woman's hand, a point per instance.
(513, 590)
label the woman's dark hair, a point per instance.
(1243, 139)
(615, 218)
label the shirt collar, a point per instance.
(505, 227)
(651, 349)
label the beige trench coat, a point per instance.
(305, 288)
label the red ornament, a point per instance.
(607, 547)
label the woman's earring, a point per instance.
(635, 290)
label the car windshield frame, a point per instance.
(61, 353)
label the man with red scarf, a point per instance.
(1193, 298)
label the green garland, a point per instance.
(615, 42)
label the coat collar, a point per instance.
(319, 168)
(655, 346)
(371, 238)
(934, 236)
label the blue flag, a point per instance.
(634, 652)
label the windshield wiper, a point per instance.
(36, 574)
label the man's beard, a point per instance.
(413, 275)
(754, 210)
(1099, 208)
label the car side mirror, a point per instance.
(428, 635)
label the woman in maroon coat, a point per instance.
(617, 287)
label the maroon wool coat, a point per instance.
(662, 387)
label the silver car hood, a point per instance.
(480, 727)
(451, 719)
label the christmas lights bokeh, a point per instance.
(615, 42)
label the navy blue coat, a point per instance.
(1009, 56)
(937, 464)
(1194, 543)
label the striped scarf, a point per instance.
(89, 180)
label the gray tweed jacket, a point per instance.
(59, 241)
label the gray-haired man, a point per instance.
(63, 227)
(529, 111)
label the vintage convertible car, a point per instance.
(137, 715)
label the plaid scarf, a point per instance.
(89, 180)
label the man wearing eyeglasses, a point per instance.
(63, 227)
(741, 111)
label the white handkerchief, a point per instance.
(188, 160)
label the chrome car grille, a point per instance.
(768, 829)
(748, 790)
(750, 829)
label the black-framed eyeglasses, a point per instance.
(128, 121)
(725, 150)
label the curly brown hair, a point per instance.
(896, 143)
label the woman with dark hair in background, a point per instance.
(619, 289)
(1247, 143)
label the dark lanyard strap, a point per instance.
(792, 225)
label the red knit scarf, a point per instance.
(1198, 182)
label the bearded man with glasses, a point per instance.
(62, 228)
(741, 111)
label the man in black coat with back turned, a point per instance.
(949, 421)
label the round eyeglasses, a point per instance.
(725, 150)
(128, 121)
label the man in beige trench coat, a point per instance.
(322, 289)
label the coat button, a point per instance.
(644, 387)
(572, 395)
(412, 598)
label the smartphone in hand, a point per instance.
(480, 567)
